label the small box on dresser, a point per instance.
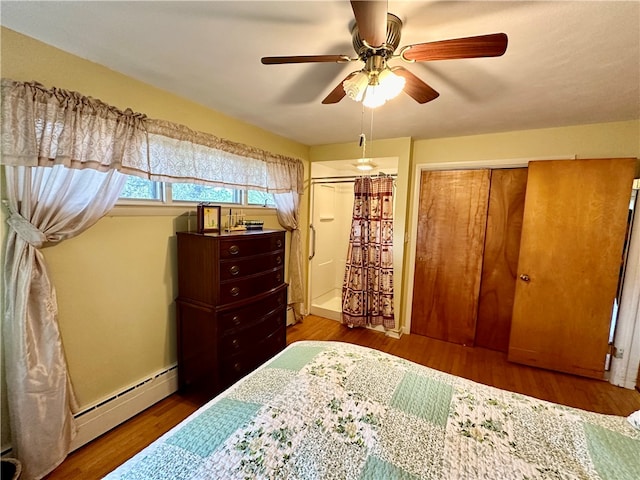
(231, 306)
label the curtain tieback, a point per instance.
(26, 231)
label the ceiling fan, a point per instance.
(375, 38)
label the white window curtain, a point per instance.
(288, 209)
(60, 150)
(62, 154)
(47, 205)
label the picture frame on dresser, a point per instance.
(208, 218)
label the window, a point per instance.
(137, 188)
(264, 199)
(141, 189)
(190, 192)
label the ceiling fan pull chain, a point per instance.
(371, 128)
(363, 137)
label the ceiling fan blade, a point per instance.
(492, 45)
(371, 17)
(416, 88)
(305, 59)
(337, 93)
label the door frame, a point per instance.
(400, 166)
(624, 369)
(410, 248)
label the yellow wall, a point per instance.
(603, 140)
(116, 282)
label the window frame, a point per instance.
(166, 200)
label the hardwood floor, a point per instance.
(99, 457)
(106, 452)
(481, 365)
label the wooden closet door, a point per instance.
(570, 256)
(500, 262)
(450, 239)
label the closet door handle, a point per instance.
(313, 241)
(524, 277)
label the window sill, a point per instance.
(176, 210)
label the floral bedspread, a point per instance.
(331, 410)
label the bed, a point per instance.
(332, 410)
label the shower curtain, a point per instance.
(367, 290)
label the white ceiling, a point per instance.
(567, 62)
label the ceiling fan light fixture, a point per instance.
(390, 83)
(355, 86)
(374, 96)
(365, 165)
(374, 87)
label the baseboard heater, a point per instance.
(120, 407)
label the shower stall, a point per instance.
(330, 227)
(331, 213)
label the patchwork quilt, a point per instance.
(331, 410)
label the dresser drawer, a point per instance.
(246, 316)
(241, 267)
(243, 288)
(246, 246)
(236, 366)
(244, 341)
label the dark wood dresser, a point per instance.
(231, 306)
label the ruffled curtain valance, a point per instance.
(42, 127)
(179, 154)
(82, 132)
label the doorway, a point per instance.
(331, 210)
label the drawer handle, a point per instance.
(234, 249)
(236, 320)
(235, 291)
(234, 270)
(278, 278)
(237, 366)
(278, 260)
(235, 344)
(278, 243)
